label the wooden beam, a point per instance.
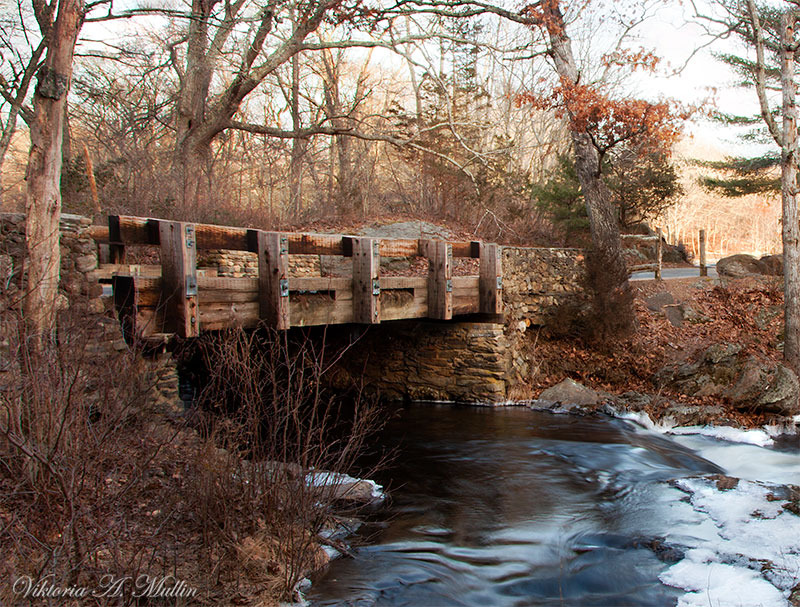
(440, 278)
(99, 234)
(637, 237)
(116, 246)
(126, 304)
(491, 279)
(129, 230)
(703, 265)
(643, 268)
(316, 244)
(659, 253)
(273, 279)
(179, 277)
(366, 284)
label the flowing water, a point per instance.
(493, 507)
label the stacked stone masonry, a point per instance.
(239, 264)
(537, 284)
(78, 260)
(426, 360)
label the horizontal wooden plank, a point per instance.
(404, 282)
(317, 283)
(107, 270)
(227, 283)
(643, 267)
(144, 230)
(638, 237)
(315, 244)
(227, 302)
(466, 282)
(99, 234)
(216, 316)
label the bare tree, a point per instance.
(60, 21)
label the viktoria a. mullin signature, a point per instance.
(109, 586)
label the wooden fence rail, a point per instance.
(178, 299)
(656, 265)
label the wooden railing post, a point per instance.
(703, 266)
(273, 278)
(116, 248)
(440, 278)
(490, 281)
(366, 282)
(659, 253)
(179, 277)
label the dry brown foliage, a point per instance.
(746, 311)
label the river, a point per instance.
(509, 506)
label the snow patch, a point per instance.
(760, 438)
(326, 479)
(754, 558)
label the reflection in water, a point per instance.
(514, 507)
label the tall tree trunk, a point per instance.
(192, 155)
(43, 176)
(608, 274)
(298, 145)
(194, 159)
(791, 229)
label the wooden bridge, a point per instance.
(178, 298)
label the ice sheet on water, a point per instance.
(754, 558)
(324, 479)
(734, 435)
(759, 438)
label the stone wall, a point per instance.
(238, 264)
(540, 286)
(538, 282)
(78, 261)
(426, 360)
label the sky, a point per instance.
(674, 38)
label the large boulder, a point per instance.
(771, 265)
(748, 383)
(657, 301)
(663, 409)
(570, 392)
(739, 265)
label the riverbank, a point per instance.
(704, 352)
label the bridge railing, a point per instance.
(177, 298)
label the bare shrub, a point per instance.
(611, 314)
(76, 448)
(279, 446)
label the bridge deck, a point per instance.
(176, 297)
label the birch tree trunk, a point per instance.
(43, 175)
(608, 273)
(791, 229)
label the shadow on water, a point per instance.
(513, 507)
